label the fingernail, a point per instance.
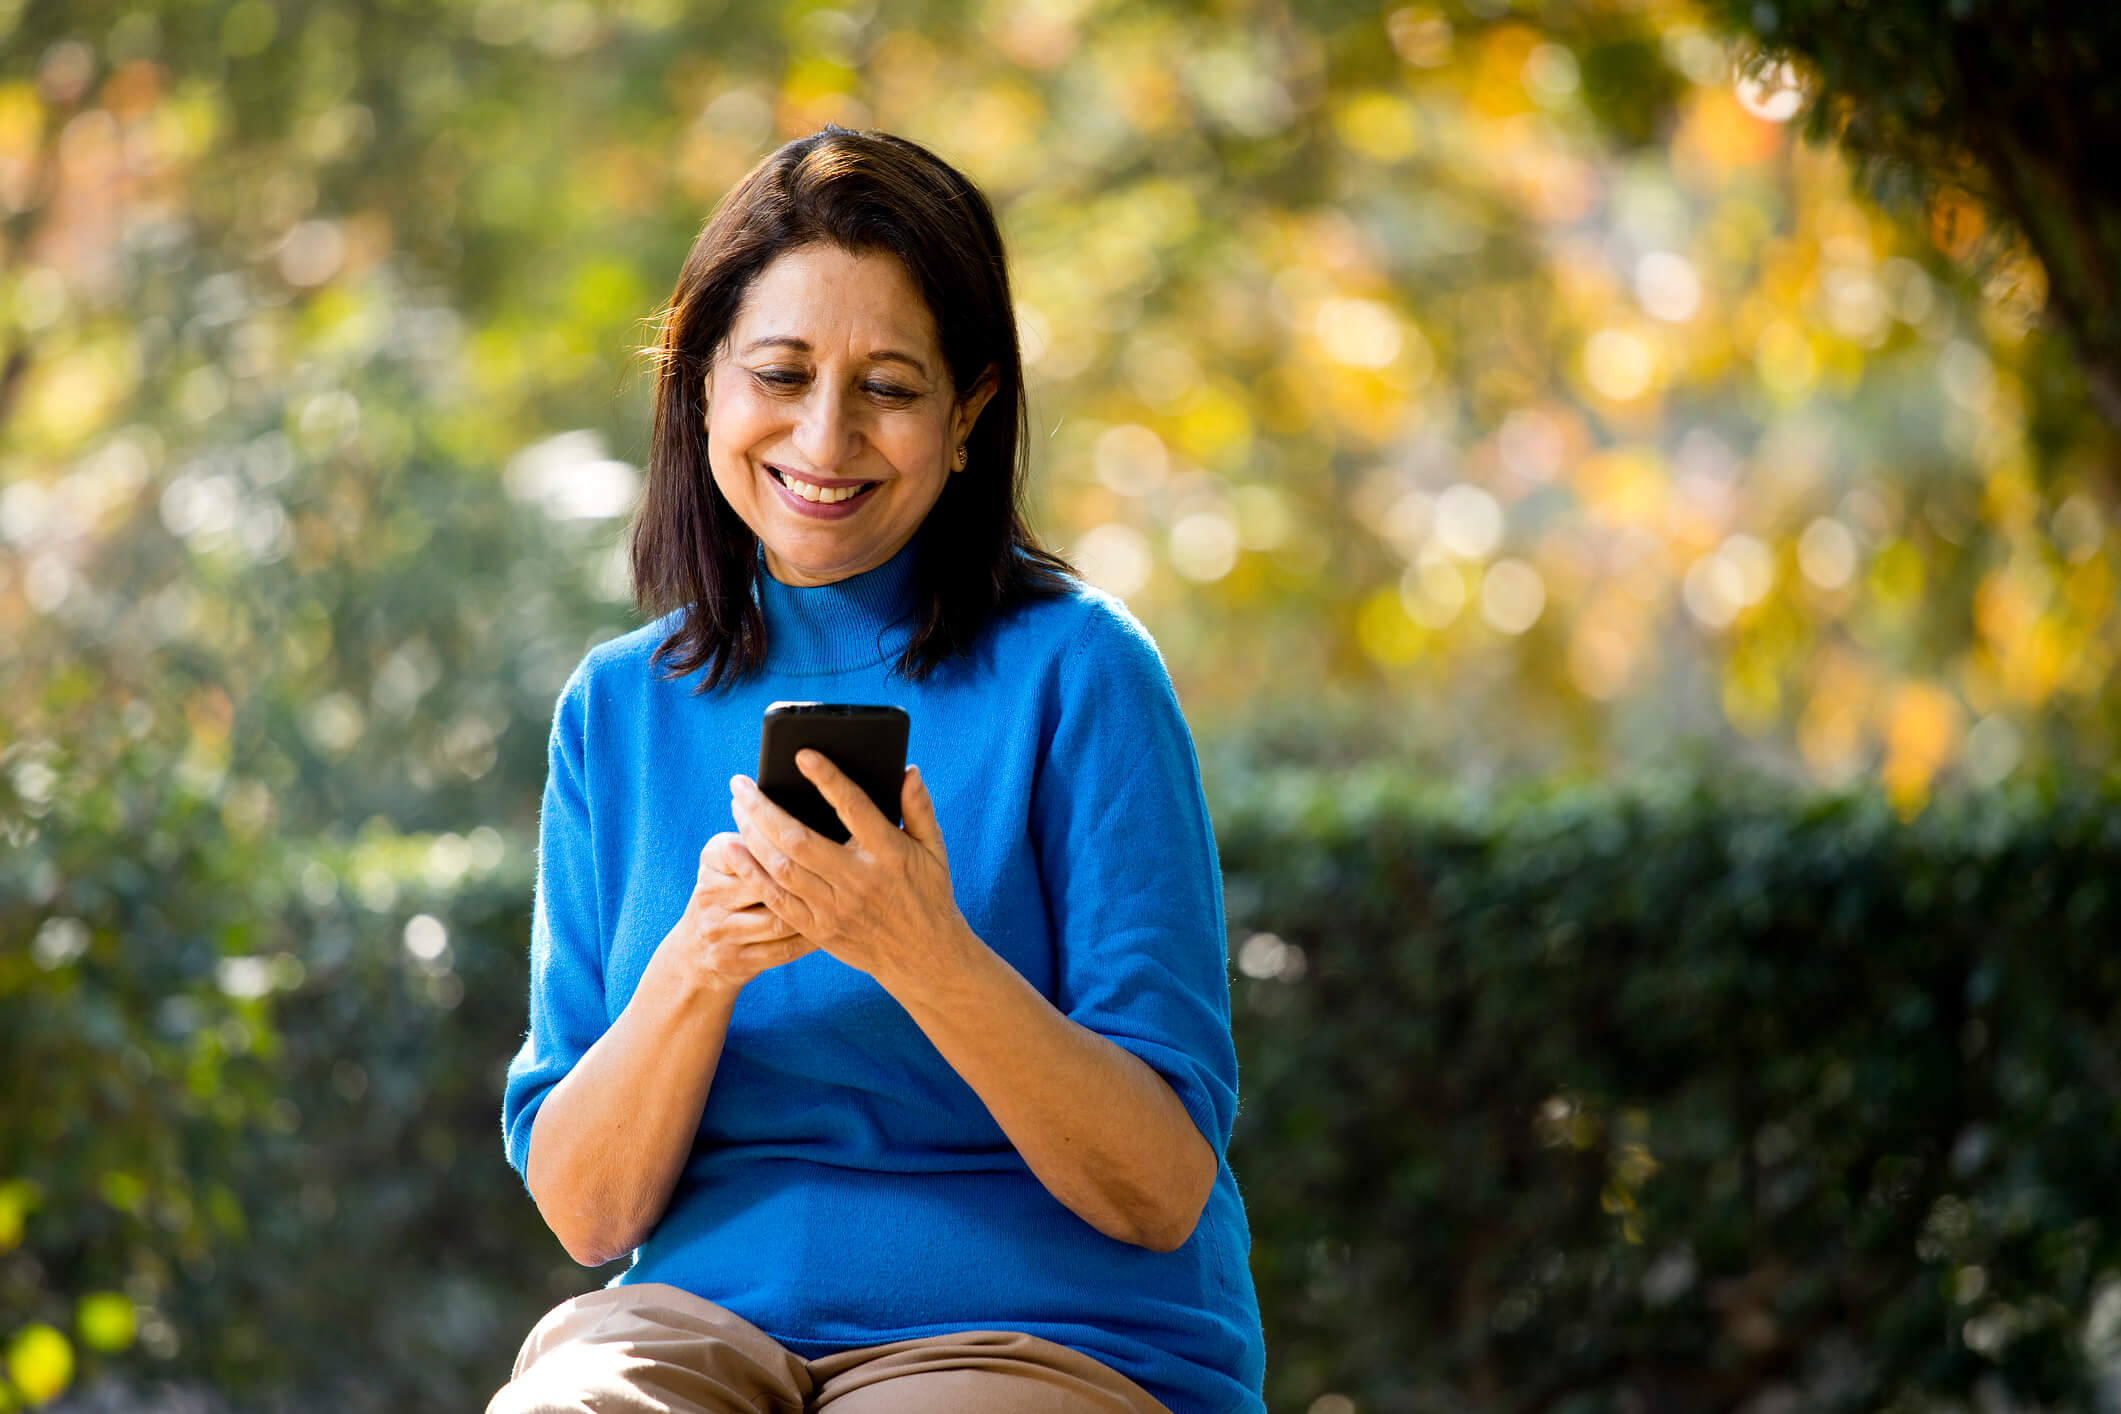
(742, 786)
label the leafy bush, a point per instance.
(255, 1089)
(1676, 1098)
(1671, 1098)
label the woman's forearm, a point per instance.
(1103, 1131)
(609, 1143)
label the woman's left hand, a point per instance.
(881, 902)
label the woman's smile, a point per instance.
(825, 500)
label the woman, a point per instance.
(884, 1125)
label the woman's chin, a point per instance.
(802, 556)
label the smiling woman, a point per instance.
(933, 1119)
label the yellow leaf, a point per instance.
(40, 1362)
(1379, 125)
(124, 1191)
(1624, 486)
(105, 1320)
(17, 1197)
(1385, 631)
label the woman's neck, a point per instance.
(854, 622)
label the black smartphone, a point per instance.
(867, 742)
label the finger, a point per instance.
(786, 950)
(849, 801)
(728, 892)
(744, 926)
(714, 857)
(776, 828)
(779, 882)
(737, 863)
(749, 927)
(729, 882)
(919, 809)
(735, 903)
(762, 846)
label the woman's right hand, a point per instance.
(727, 936)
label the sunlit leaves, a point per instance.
(105, 1320)
(17, 1198)
(40, 1362)
(1279, 252)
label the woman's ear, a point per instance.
(968, 407)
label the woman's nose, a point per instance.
(825, 432)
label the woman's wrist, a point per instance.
(928, 975)
(673, 975)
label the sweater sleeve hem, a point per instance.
(1182, 1073)
(517, 1140)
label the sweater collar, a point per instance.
(855, 622)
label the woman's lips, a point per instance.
(818, 510)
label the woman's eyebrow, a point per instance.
(789, 341)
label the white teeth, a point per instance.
(820, 494)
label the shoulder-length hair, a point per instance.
(865, 192)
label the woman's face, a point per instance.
(832, 378)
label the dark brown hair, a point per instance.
(865, 192)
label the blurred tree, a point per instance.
(1510, 367)
(2005, 107)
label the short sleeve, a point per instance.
(1133, 882)
(566, 932)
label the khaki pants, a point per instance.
(657, 1349)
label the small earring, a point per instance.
(961, 456)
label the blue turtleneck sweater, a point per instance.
(847, 1187)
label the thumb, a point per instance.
(714, 858)
(918, 809)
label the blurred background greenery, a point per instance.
(1720, 401)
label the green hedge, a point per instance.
(248, 1105)
(1659, 1099)
(1672, 1098)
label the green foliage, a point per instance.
(250, 1120)
(1675, 1097)
(252, 1130)
(1661, 1098)
(1629, 87)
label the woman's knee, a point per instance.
(651, 1349)
(975, 1372)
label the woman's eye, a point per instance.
(783, 380)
